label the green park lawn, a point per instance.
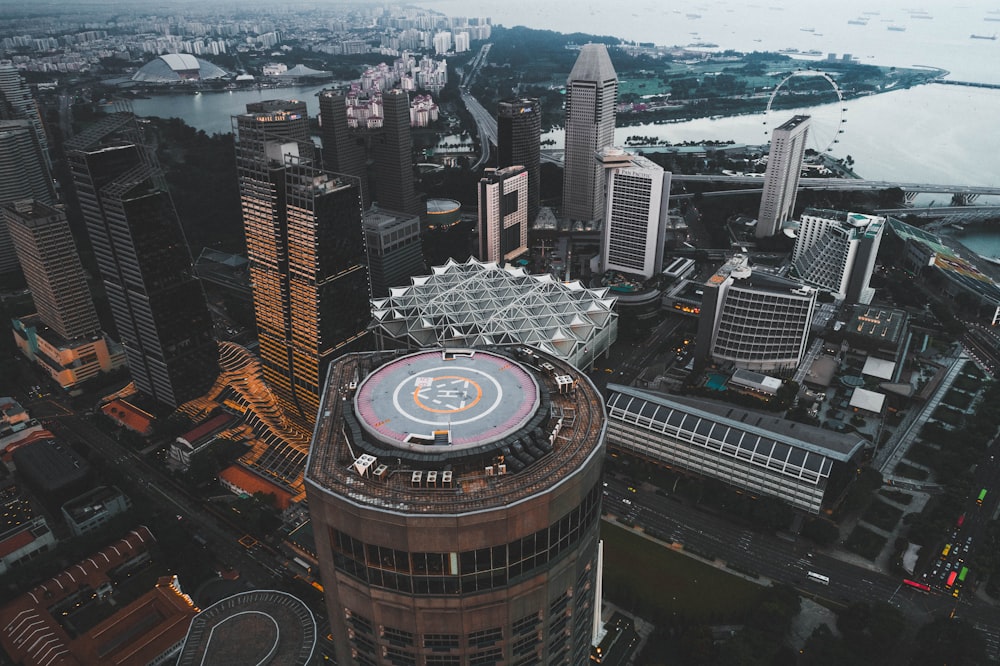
(650, 579)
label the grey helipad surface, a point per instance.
(465, 398)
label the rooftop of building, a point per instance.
(34, 212)
(252, 482)
(258, 627)
(492, 426)
(832, 445)
(593, 65)
(439, 206)
(480, 303)
(738, 268)
(32, 609)
(876, 322)
(84, 506)
(207, 428)
(129, 416)
(792, 123)
(384, 220)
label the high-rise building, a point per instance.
(158, 305)
(635, 221)
(392, 150)
(306, 254)
(455, 496)
(64, 337)
(754, 320)
(591, 95)
(519, 135)
(52, 268)
(393, 248)
(343, 146)
(781, 180)
(23, 175)
(835, 251)
(17, 103)
(503, 214)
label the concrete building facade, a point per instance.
(591, 95)
(393, 249)
(635, 219)
(835, 251)
(455, 496)
(754, 320)
(503, 214)
(781, 179)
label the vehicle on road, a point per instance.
(818, 578)
(982, 496)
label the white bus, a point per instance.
(818, 578)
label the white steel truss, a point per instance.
(479, 303)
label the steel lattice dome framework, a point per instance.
(479, 303)
(177, 67)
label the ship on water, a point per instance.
(993, 37)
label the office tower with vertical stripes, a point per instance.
(64, 336)
(635, 222)
(23, 175)
(393, 248)
(344, 148)
(519, 136)
(781, 180)
(158, 304)
(306, 253)
(503, 214)
(392, 149)
(591, 95)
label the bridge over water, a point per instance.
(849, 184)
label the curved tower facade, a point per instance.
(455, 496)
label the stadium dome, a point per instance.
(174, 67)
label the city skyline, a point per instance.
(809, 409)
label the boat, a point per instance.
(858, 22)
(982, 37)
(808, 29)
(992, 18)
(897, 28)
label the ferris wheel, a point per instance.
(827, 124)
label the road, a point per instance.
(486, 122)
(743, 550)
(222, 537)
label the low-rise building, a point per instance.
(755, 452)
(94, 508)
(24, 533)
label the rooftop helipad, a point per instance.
(446, 401)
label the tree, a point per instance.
(872, 631)
(951, 642)
(822, 531)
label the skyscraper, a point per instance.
(392, 149)
(455, 496)
(158, 305)
(343, 146)
(836, 251)
(635, 222)
(52, 268)
(519, 135)
(64, 336)
(393, 248)
(306, 254)
(16, 103)
(503, 214)
(591, 95)
(23, 175)
(781, 180)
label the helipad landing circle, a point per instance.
(446, 400)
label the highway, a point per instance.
(486, 122)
